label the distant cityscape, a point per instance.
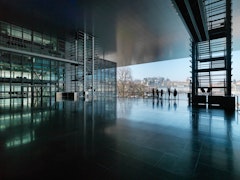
(162, 83)
(127, 86)
(181, 86)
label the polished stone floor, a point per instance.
(118, 139)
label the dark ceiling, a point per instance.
(130, 31)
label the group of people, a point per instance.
(161, 93)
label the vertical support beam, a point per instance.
(75, 78)
(104, 79)
(194, 68)
(76, 48)
(84, 62)
(32, 73)
(93, 57)
(41, 88)
(229, 48)
(56, 68)
(32, 87)
(76, 68)
(10, 60)
(66, 79)
(115, 80)
(50, 84)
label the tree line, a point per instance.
(126, 87)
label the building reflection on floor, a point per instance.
(22, 123)
(117, 138)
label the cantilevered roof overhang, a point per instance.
(128, 31)
(194, 17)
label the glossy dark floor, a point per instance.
(118, 139)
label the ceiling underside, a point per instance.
(130, 31)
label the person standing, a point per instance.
(175, 93)
(169, 93)
(161, 92)
(153, 92)
(157, 92)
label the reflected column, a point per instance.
(84, 129)
(229, 145)
(93, 127)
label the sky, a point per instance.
(176, 69)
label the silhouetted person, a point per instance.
(153, 92)
(203, 90)
(175, 93)
(161, 92)
(157, 92)
(169, 93)
(209, 90)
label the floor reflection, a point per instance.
(204, 144)
(213, 133)
(20, 125)
(118, 138)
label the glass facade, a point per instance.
(105, 84)
(35, 65)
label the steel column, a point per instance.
(84, 62)
(194, 67)
(229, 48)
(93, 57)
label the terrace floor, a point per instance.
(118, 139)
